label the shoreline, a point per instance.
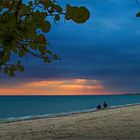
(47, 116)
(120, 123)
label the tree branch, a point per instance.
(34, 54)
(18, 8)
(9, 9)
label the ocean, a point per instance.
(26, 107)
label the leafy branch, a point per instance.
(19, 23)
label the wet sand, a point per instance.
(113, 124)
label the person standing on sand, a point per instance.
(105, 105)
(99, 107)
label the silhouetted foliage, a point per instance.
(19, 23)
(138, 13)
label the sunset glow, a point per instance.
(57, 87)
(100, 56)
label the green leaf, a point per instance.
(49, 52)
(47, 4)
(1, 54)
(22, 52)
(20, 67)
(6, 58)
(45, 26)
(47, 60)
(33, 46)
(57, 7)
(13, 68)
(138, 14)
(6, 69)
(42, 48)
(77, 14)
(30, 3)
(11, 73)
(57, 17)
(55, 56)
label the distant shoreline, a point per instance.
(132, 94)
(36, 117)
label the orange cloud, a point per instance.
(44, 83)
(57, 87)
(11, 91)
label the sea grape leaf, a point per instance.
(138, 14)
(19, 26)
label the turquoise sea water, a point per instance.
(21, 107)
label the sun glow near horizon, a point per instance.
(57, 87)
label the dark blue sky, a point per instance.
(106, 48)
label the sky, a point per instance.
(101, 56)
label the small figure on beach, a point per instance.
(99, 107)
(105, 105)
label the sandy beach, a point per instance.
(113, 124)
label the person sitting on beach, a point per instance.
(105, 105)
(99, 107)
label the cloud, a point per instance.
(57, 87)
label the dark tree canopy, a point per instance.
(19, 23)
